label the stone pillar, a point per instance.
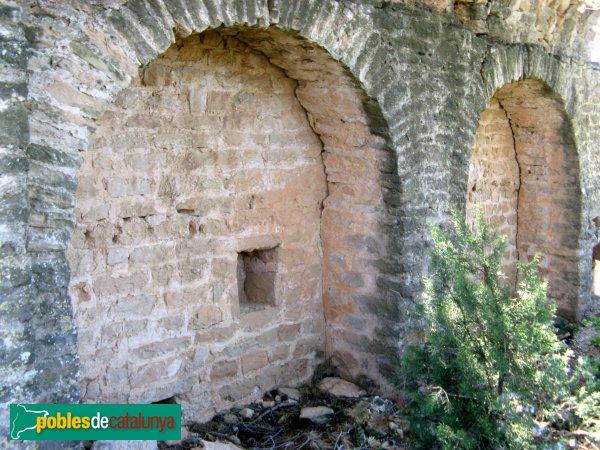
(37, 334)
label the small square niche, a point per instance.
(256, 272)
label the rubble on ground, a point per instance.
(332, 414)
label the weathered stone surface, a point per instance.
(428, 77)
(524, 176)
(254, 361)
(340, 388)
(224, 369)
(144, 209)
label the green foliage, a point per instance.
(492, 366)
(596, 340)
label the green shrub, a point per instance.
(492, 368)
(596, 323)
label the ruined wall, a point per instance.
(37, 333)
(203, 161)
(526, 178)
(568, 27)
(425, 77)
(206, 156)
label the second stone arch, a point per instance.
(524, 174)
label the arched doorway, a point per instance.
(228, 224)
(524, 174)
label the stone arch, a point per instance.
(524, 173)
(69, 77)
(119, 250)
(80, 55)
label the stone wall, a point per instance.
(526, 177)
(494, 180)
(206, 160)
(37, 333)
(424, 76)
(208, 154)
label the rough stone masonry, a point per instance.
(201, 199)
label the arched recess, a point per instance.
(239, 161)
(524, 174)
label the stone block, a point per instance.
(116, 256)
(96, 213)
(165, 347)
(238, 390)
(249, 180)
(192, 270)
(307, 345)
(289, 332)
(141, 305)
(158, 75)
(178, 300)
(171, 323)
(173, 228)
(215, 334)
(149, 373)
(198, 361)
(135, 327)
(352, 279)
(144, 162)
(294, 371)
(279, 353)
(55, 157)
(123, 187)
(257, 320)
(223, 369)
(267, 338)
(254, 361)
(106, 285)
(205, 316)
(82, 292)
(136, 208)
(151, 254)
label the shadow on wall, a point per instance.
(524, 174)
(234, 216)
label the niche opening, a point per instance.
(256, 274)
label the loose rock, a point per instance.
(247, 413)
(291, 393)
(330, 422)
(316, 414)
(341, 388)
